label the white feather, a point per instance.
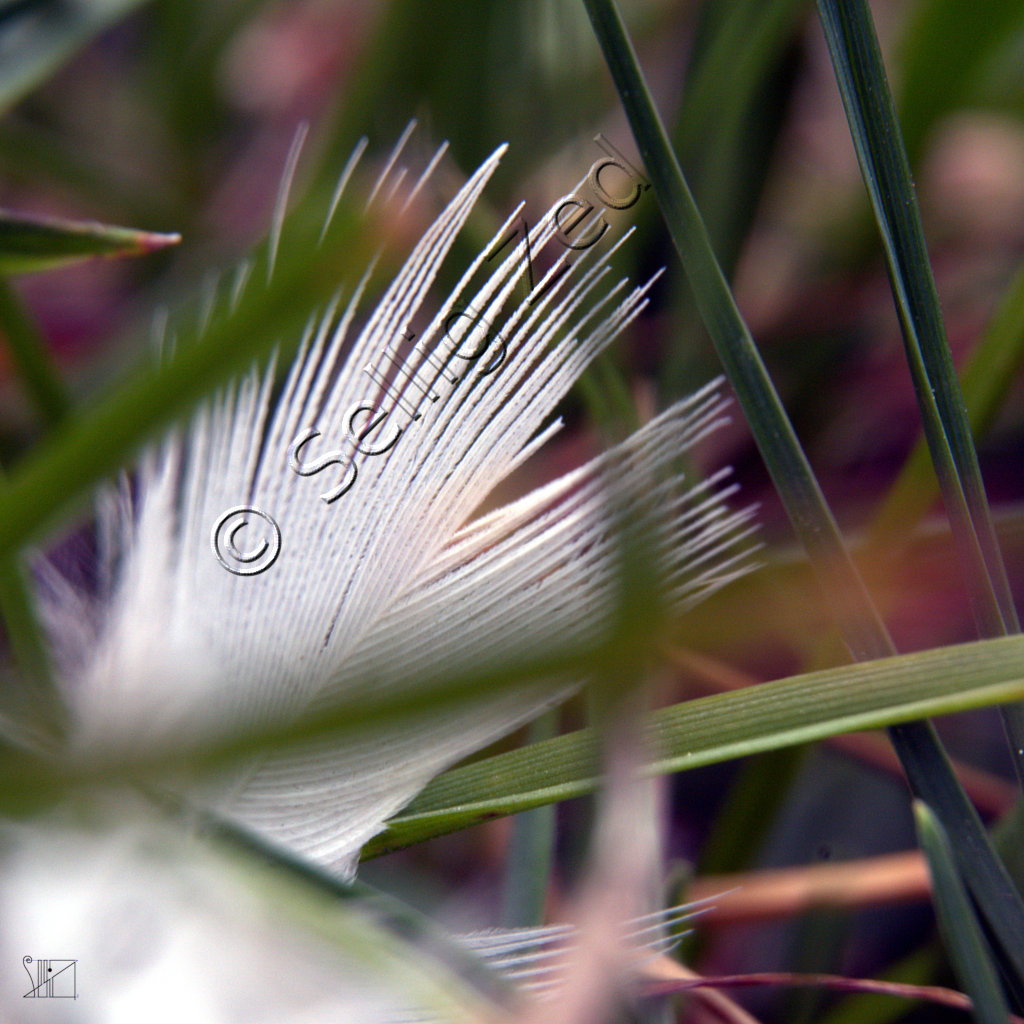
(393, 579)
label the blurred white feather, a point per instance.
(163, 926)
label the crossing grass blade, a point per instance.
(919, 748)
(712, 729)
(694, 733)
(785, 459)
(857, 62)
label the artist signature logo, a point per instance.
(53, 979)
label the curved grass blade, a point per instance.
(917, 968)
(968, 952)
(919, 748)
(708, 730)
(937, 995)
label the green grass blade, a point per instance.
(28, 776)
(31, 358)
(705, 731)
(26, 643)
(734, 98)
(785, 459)
(971, 957)
(43, 156)
(723, 726)
(36, 243)
(745, 818)
(36, 699)
(920, 751)
(1008, 835)
(728, 107)
(747, 35)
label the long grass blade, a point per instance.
(724, 137)
(40, 703)
(704, 731)
(711, 729)
(785, 459)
